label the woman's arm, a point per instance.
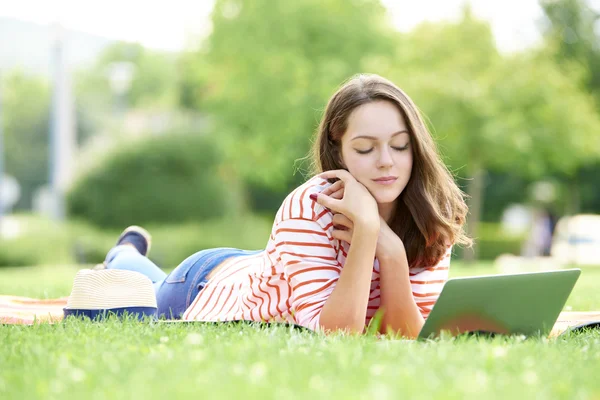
(401, 315)
(346, 307)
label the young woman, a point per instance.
(371, 231)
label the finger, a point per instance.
(341, 174)
(328, 202)
(333, 188)
(346, 236)
(338, 195)
(342, 220)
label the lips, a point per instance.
(386, 180)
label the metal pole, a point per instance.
(62, 127)
(55, 127)
(52, 134)
(1, 159)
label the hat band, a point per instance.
(139, 312)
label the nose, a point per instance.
(385, 158)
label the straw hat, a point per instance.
(97, 293)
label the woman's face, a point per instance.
(376, 150)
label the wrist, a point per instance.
(393, 259)
(367, 226)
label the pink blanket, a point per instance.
(26, 311)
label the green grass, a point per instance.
(144, 360)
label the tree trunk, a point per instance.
(574, 200)
(237, 198)
(475, 201)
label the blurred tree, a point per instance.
(517, 113)
(571, 36)
(26, 116)
(171, 178)
(500, 190)
(589, 195)
(267, 70)
(571, 32)
(549, 123)
(449, 81)
(153, 79)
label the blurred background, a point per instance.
(194, 118)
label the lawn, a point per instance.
(131, 360)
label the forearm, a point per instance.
(400, 312)
(346, 307)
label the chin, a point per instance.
(386, 196)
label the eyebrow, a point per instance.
(374, 138)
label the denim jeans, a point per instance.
(177, 290)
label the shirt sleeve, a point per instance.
(427, 283)
(311, 267)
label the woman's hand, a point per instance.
(355, 201)
(389, 245)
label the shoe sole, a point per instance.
(138, 229)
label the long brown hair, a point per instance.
(431, 210)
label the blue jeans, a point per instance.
(176, 291)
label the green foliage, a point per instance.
(572, 35)
(153, 82)
(518, 114)
(268, 68)
(492, 242)
(26, 123)
(171, 244)
(587, 181)
(502, 189)
(40, 241)
(14, 254)
(168, 179)
(263, 77)
(571, 40)
(448, 81)
(265, 199)
(26, 117)
(546, 126)
(46, 242)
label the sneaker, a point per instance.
(138, 237)
(99, 267)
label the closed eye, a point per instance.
(371, 149)
(364, 151)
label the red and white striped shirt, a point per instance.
(293, 277)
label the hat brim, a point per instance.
(139, 312)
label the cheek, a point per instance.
(359, 166)
(356, 163)
(406, 162)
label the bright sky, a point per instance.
(171, 26)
